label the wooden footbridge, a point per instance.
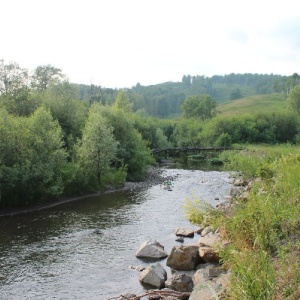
(191, 149)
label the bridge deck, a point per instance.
(190, 149)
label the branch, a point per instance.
(161, 293)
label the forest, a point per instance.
(59, 138)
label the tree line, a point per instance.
(53, 142)
(165, 99)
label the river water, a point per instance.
(55, 254)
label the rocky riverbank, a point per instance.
(196, 268)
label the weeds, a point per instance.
(265, 253)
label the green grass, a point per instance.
(264, 228)
(254, 104)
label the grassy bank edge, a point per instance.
(264, 255)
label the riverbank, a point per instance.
(154, 177)
(196, 267)
(264, 224)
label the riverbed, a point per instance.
(56, 254)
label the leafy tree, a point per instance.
(15, 92)
(132, 150)
(45, 75)
(186, 80)
(22, 103)
(71, 113)
(12, 79)
(32, 159)
(236, 94)
(202, 107)
(123, 102)
(48, 157)
(98, 146)
(294, 99)
(187, 132)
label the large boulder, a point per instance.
(151, 249)
(184, 258)
(203, 291)
(154, 275)
(209, 255)
(184, 232)
(200, 276)
(180, 283)
(210, 240)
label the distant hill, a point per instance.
(165, 99)
(254, 104)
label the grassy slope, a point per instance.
(253, 104)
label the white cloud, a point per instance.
(118, 43)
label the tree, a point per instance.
(71, 113)
(132, 149)
(12, 79)
(236, 94)
(123, 102)
(294, 99)
(98, 146)
(32, 159)
(202, 107)
(15, 91)
(43, 76)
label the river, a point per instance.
(55, 254)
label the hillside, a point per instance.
(254, 104)
(164, 100)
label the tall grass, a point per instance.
(264, 226)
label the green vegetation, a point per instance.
(59, 138)
(294, 99)
(264, 228)
(202, 107)
(52, 143)
(164, 100)
(253, 104)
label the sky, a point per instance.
(119, 43)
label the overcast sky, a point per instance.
(118, 43)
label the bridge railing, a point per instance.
(190, 149)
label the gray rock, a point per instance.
(180, 239)
(138, 268)
(199, 230)
(200, 276)
(209, 255)
(206, 231)
(184, 232)
(154, 275)
(235, 192)
(151, 249)
(180, 283)
(239, 182)
(215, 272)
(204, 291)
(211, 239)
(184, 258)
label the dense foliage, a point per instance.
(165, 99)
(58, 138)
